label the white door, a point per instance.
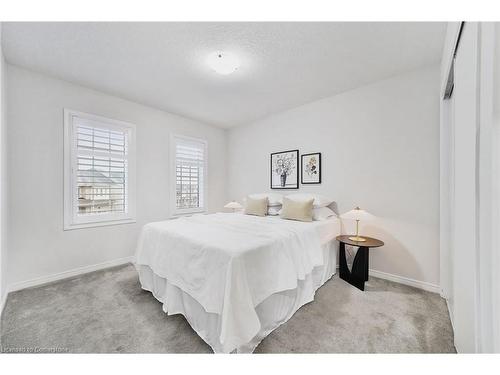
(464, 251)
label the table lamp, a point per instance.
(234, 206)
(357, 214)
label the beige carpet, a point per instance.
(108, 312)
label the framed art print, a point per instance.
(285, 170)
(311, 168)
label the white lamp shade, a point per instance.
(234, 205)
(357, 214)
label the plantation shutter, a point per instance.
(189, 173)
(101, 170)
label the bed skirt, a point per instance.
(272, 312)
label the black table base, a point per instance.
(359, 272)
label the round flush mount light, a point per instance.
(223, 62)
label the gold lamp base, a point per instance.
(357, 239)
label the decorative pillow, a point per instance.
(274, 199)
(319, 200)
(322, 213)
(274, 210)
(297, 210)
(256, 207)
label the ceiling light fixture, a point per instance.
(223, 62)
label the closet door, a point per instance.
(464, 251)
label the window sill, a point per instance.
(98, 224)
(188, 213)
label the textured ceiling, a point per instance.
(283, 65)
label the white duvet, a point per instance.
(230, 263)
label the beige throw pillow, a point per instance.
(256, 207)
(297, 210)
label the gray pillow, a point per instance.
(297, 210)
(256, 207)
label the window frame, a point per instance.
(176, 212)
(71, 219)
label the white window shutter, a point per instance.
(190, 170)
(101, 173)
(99, 170)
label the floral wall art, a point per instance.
(311, 168)
(285, 170)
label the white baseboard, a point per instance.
(66, 274)
(406, 281)
(116, 262)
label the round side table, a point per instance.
(359, 270)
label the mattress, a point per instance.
(235, 277)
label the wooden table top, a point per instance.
(370, 242)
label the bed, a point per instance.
(235, 277)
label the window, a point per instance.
(189, 174)
(99, 171)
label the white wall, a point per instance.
(380, 150)
(3, 179)
(38, 246)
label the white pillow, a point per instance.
(322, 213)
(319, 200)
(274, 210)
(273, 199)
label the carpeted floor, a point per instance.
(108, 312)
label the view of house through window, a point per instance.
(101, 170)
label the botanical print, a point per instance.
(311, 168)
(284, 170)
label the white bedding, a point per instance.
(221, 270)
